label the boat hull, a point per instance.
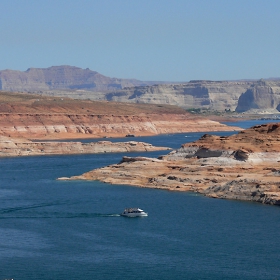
(134, 215)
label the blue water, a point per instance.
(53, 229)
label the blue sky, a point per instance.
(156, 40)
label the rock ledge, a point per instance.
(242, 166)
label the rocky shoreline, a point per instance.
(52, 118)
(11, 147)
(242, 167)
(71, 126)
(28, 121)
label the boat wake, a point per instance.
(27, 207)
(55, 215)
(92, 215)
(34, 211)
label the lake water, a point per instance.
(53, 229)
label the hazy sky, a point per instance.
(164, 40)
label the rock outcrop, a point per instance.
(204, 95)
(69, 81)
(212, 95)
(11, 147)
(37, 117)
(260, 97)
(242, 167)
(70, 126)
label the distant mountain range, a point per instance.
(69, 81)
(62, 77)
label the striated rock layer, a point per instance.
(243, 166)
(213, 95)
(241, 96)
(59, 126)
(10, 147)
(37, 117)
(75, 82)
(261, 97)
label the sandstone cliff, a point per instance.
(70, 126)
(260, 97)
(210, 95)
(242, 166)
(69, 81)
(213, 95)
(37, 117)
(204, 95)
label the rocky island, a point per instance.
(10, 147)
(244, 166)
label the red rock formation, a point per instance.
(259, 138)
(37, 117)
(242, 166)
(59, 126)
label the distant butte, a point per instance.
(257, 96)
(61, 77)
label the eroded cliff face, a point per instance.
(260, 97)
(205, 95)
(70, 81)
(37, 117)
(195, 94)
(63, 126)
(242, 166)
